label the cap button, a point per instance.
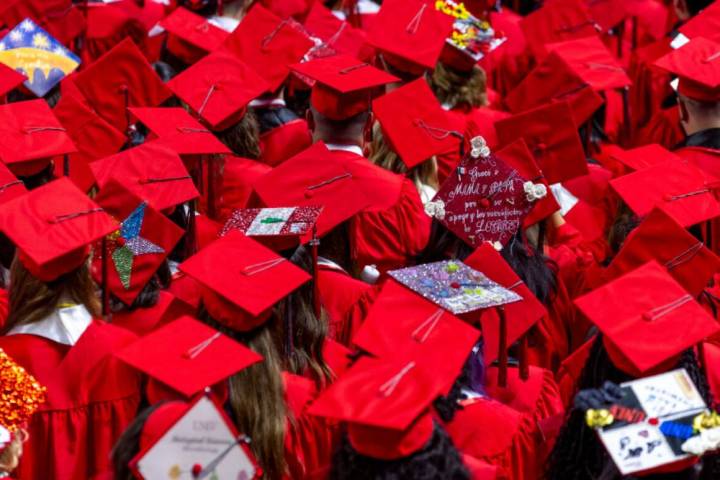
(484, 202)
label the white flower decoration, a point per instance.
(707, 441)
(534, 191)
(479, 147)
(435, 209)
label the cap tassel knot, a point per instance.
(270, 36)
(193, 352)
(661, 311)
(684, 256)
(428, 325)
(329, 181)
(209, 94)
(256, 268)
(70, 216)
(387, 388)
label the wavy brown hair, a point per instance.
(31, 299)
(257, 396)
(382, 155)
(243, 138)
(459, 89)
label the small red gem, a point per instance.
(653, 421)
(455, 285)
(485, 202)
(196, 470)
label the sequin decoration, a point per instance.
(21, 395)
(128, 244)
(272, 221)
(454, 286)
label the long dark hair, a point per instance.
(579, 454)
(257, 396)
(536, 270)
(300, 336)
(243, 138)
(128, 445)
(438, 460)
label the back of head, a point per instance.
(350, 130)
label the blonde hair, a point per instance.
(460, 89)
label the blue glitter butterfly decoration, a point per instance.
(131, 245)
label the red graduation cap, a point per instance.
(485, 201)
(520, 315)
(643, 157)
(176, 129)
(647, 319)
(242, 280)
(553, 80)
(138, 247)
(557, 22)
(151, 171)
(608, 13)
(698, 65)
(218, 89)
(678, 188)
(31, 136)
(704, 24)
(268, 44)
(551, 135)
(344, 85)
(316, 177)
(191, 36)
(9, 79)
(52, 227)
(400, 321)
(410, 34)
(119, 79)
(10, 186)
(92, 135)
(335, 33)
(414, 123)
(188, 356)
(593, 62)
(659, 237)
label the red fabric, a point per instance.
(286, 141)
(650, 85)
(568, 375)
(4, 306)
(711, 357)
(663, 128)
(238, 178)
(390, 238)
(186, 289)
(73, 432)
(480, 470)
(346, 302)
(574, 256)
(142, 321)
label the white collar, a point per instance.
(329, 264)
(563, 197)
(267, 102)
(229, 24)
(64, 325)
(346, 148)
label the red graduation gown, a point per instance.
(142, 321)
(239, 175)
(285, 141)
(72, 434)
(4, 306)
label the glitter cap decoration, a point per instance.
(273, 222)
(217, 452)
(20, 396)
(454, 286)
(138, 247)
(486, 200)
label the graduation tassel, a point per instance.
(66, 165)
(627, 127)
(190, 243)
(523, 357)
(104, 280)
(314, 245)
(502, 348)
(211, 186)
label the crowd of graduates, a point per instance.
(398, 239)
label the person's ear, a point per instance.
(681, 9)
(310, 119)
(684, 114)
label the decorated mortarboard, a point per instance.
(697, 64)
(188, 356)
(218, 88)
(656, 424)
(192, 441)
(30, 136)
(52, 226)
(344, 86)
(136, 249)
(119, 79)
(647, 319)
(643, 157)
(191, 36)
(93, 137)
(551, 81)
(242, 280)
(176, 129)
(557, 22)
(486, 200)
(414, 123)
(400, 321)
(268, 44)
(593, 62)
(10, 186)
(471, 38)
(29, 49)
(454, 286)
(410, 34)
(660, 237)
(679, 188)
(272, 222)
(152, 171)
(551, 135)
